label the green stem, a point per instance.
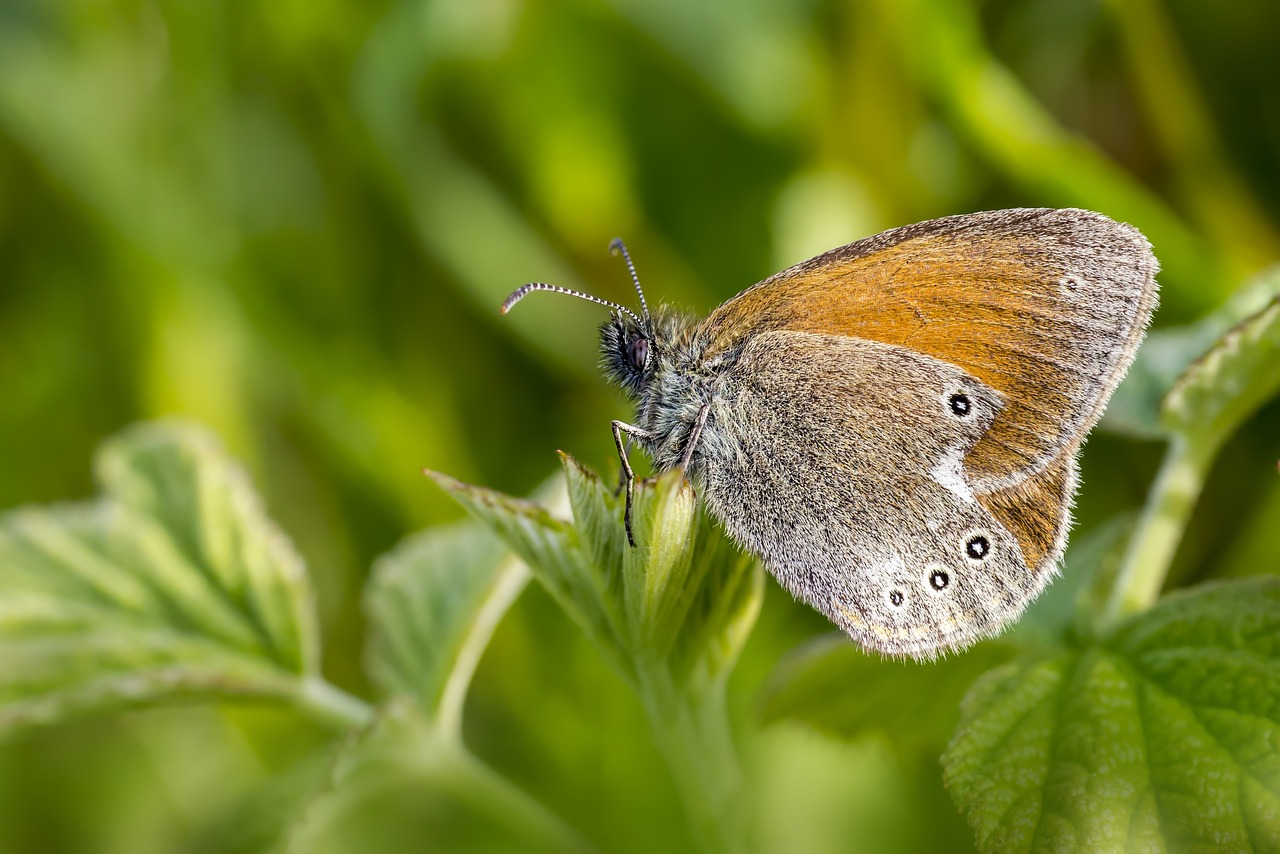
(329, 705)
(1151, 550)
(692, 731)
(485, 789)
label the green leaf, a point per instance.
(1209, 401)
(671, 614)
(1160, 737)
(1166, 354)
(1225, 385)
(173, 584)
(552, 549)
(246, 572)
(836, 688)
(433, 603)
(684, 595)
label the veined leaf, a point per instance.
(433, 603)
(1236, 376)
(671, 614)
(174, 583)
(552, 550)
(684, 595)
(1160, 737)
(1136, 407)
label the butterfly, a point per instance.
(893, 426)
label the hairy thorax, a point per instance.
(682, 382)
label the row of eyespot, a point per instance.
(977, 548)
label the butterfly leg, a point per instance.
(622, 473)
(620, 427)
(694, 435)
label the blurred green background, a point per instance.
(294, 222)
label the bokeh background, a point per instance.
(294, 222)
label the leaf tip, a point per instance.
(444, 481)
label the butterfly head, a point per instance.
(628, 351)
(628, 342)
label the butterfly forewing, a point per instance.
(1044, 306)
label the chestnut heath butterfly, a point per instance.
(893, 426)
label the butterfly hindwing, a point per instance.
(840, 462)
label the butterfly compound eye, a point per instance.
(638, 353)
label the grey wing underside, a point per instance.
(840, 462)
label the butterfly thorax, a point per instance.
(658, 362)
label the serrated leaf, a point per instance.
(836, 688)
(720, 612)
(664, 573)
(1222, 388)
(173, 584)
(552, 549)
(646, 581)
(433, 603)
(683, 595)
(179, 475)
(1136, 407)
(671, 614)
(1163, 736)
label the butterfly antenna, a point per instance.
(617, 247)
(525, 290)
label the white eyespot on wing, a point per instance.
(949, 474)
(937, 578)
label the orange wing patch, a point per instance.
(1037, 512)
(1045, 306)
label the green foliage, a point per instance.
(173, 584)
(670, 615)
(1138, 405)
(433, 604)
(1160, 736)
(1230, 381)
(901, 701)
(293, 222)
(1147, 725)
(684, 596)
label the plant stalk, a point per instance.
(329, 705)
(692, 731)
(1155, 541)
